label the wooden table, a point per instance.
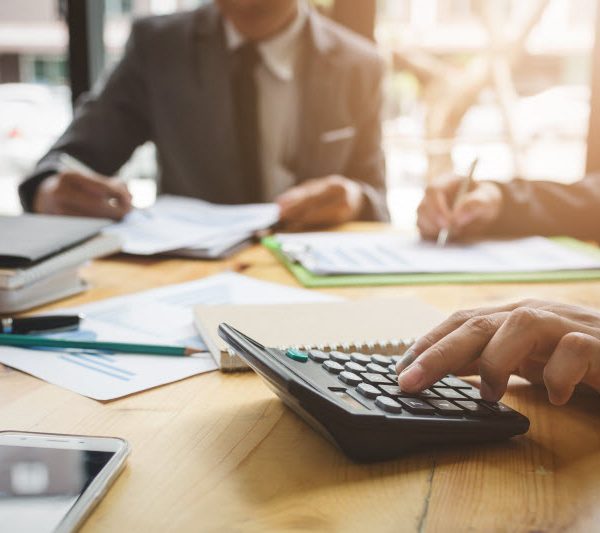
(221, 453)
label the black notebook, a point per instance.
(28, 238)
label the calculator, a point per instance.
(353, 400)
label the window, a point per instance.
(34, 94)
(449, 98)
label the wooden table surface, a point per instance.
(221, 453)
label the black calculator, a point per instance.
(353, 399)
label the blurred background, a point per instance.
(507, 80)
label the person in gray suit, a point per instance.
(246, 101)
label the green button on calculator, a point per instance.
(297, 355)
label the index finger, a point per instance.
(456, 350)
(454, 321)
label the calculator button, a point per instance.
(332, 367)
(380, 359)
(446, 407)
(499, 408)
(377, 369)
(318, 356)
(376, 379)
(387, 404)
(472, 393)
(440, 384)
(391, 390)
(474, 408)
(354, 367)
(396, 359)
(339, 357)
(368, 391)
(360, 358)
(449, 394)
(451, 381)
(414, 405)
(393, 377)
(392, 369)
(350, 378)
(297, 355)
(427, 394)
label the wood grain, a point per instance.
(220, 453)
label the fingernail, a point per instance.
(412, 377)
(487, 393)
(407, 359)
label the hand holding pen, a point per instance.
(79, 190)
(464, 214)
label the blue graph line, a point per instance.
(95, 368)
(97, 360)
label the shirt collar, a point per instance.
(280, 51)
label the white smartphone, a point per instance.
(50, 483)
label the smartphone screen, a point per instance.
(39, 485)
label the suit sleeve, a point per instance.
(546, 208)
(367, 163)
(108, 124)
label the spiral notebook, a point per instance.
(386, 326)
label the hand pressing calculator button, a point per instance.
(364, 412)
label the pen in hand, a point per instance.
(462, 191)
(69, 163)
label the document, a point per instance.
(390, 253)
(157, 316)
(175, 222)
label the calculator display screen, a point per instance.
(38, 486)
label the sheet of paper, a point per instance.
(389, 253)
(175, 222)
(158, 316)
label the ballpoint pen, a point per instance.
(39, 324)
(463, 189)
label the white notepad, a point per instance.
(386, 326)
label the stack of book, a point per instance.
(40, 257)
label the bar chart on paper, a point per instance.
(158, 316)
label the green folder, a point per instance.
(308, 279)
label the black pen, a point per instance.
(39, 324)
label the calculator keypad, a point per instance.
(374, 378)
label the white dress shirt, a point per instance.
(278, 100)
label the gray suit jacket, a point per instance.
(172, 87)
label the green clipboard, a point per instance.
(309, 279)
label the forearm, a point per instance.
(546, 208)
